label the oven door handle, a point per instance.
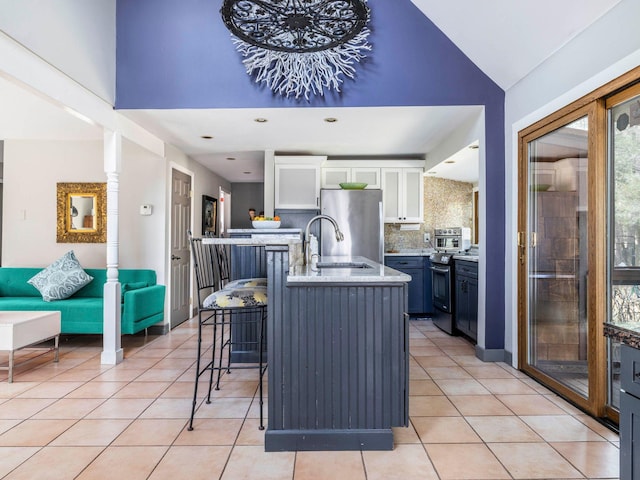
(440, 270)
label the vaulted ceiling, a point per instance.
(506, 39)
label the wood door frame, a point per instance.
(594, 104)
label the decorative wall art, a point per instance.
(209, 216)
(299, 47)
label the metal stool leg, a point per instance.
(213, 355)
(195, 387)
(260, 367)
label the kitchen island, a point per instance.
(338, 354)
(337, 341)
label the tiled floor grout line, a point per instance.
(424, 335)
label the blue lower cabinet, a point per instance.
(420, 286)
(630, 413)
(466, 298)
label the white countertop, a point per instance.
(410, 252)
(255, 241)
(270, 231)
(376, 273)
(468, 258)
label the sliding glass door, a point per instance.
(554, 255)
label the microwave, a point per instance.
(453, 239)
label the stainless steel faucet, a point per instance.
(307, 235)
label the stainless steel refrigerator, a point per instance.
(359, 216)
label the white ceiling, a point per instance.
(363, 132)
(507, 39)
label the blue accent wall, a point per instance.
(178, 54)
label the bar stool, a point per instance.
(224, 271)
(218, 307)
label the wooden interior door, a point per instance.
(180, 254)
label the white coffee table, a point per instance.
(26, 329)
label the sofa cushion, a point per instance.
(79, 315)
(236, 298)
(61, 279)
(127, 287)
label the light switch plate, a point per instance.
(146, 209)
(427, 237)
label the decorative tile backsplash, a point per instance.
(447, 203)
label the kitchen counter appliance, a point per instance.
(452, 239)
(358, 213)
(442, 291)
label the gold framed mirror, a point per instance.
(82, 213)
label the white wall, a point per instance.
(76, 36)
(142, 238)
(607, 49)
(32, 170)
(463, 135)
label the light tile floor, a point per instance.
(469, 420)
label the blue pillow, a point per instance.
(61, 279)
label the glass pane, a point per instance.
(624, 226)
(558, 248)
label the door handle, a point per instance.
(174, 257)
(522, 247)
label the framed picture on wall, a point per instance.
(209, 216)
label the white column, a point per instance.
(112, 348)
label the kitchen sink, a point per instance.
(343, 265)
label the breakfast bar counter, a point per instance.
(338, 354)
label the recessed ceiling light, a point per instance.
(260, 120)
(474, 147)
(206, 137)
(449, 161)
(247, 173)
(231, 158)
(331, 119)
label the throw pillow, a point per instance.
(61, 279)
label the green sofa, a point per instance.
(142, 306)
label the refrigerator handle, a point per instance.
(381, 223)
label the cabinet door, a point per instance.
(370, 176)
(412, 198)
(391, 194)
(297, 186)
(427, 293)
(415, 290)
(472, 287)
(332, 177)
(413, 267)
(462, 304)
(629, 436)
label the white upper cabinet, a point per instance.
(370, 176)
(333, 176)
(297, 182)
(402, 197)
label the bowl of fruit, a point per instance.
(266, 222)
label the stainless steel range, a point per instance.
(442, 290)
